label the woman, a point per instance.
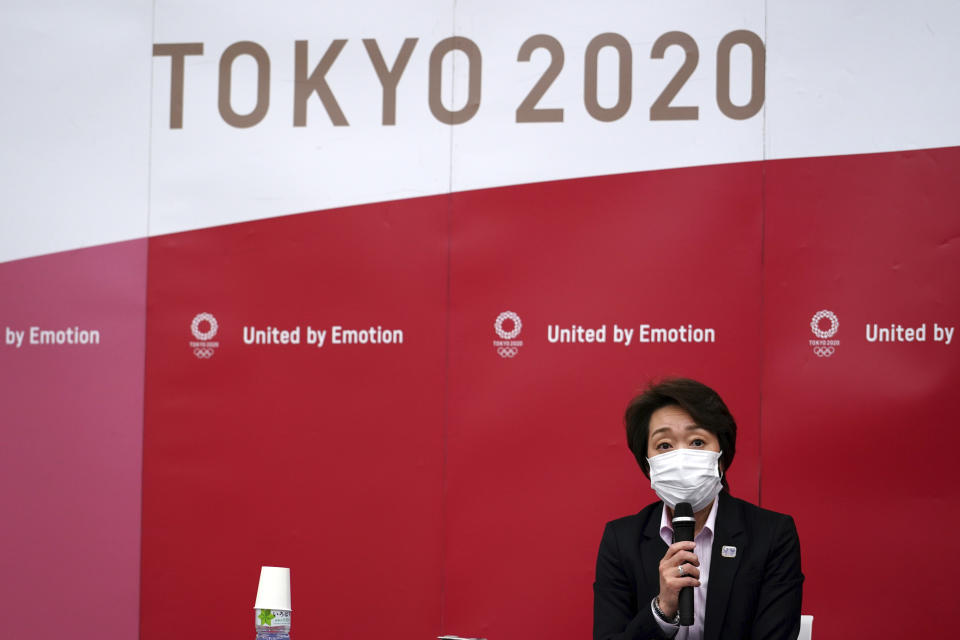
(744, 562)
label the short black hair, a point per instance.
(702, 403)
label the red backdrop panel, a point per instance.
(341, 463)
(327, 460)
(859, 445)
(71, 420)
(537, 456)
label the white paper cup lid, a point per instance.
(274, 589)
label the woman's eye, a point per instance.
(663, 446)
(698, 443)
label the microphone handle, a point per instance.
(686, 606)
(683, 528)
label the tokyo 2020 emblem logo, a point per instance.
(211, 330)
(824, 324)
(204, 327)
(507, 327)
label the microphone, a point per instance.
(683, 525)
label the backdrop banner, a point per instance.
(364, 291)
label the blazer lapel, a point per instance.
(652, 549)
(730, 532)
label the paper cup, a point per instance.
(274, 589)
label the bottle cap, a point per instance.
(274, 589)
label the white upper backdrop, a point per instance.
(89, 156)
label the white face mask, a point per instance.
(686, 475)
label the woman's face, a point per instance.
(672, 428)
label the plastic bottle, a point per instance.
(272, 624)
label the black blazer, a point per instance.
(755, 594)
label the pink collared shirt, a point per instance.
(704, 551)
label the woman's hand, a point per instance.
(671, 580)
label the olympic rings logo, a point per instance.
(195, 326)
(824, 352)
(507, 352)
(203, 354)
(815, 324)
(507, 335)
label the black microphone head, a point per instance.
(682, 510)
(683, 522)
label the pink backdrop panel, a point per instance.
(325, 460)
(72, 418)
(537, 455)
(858, 444)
